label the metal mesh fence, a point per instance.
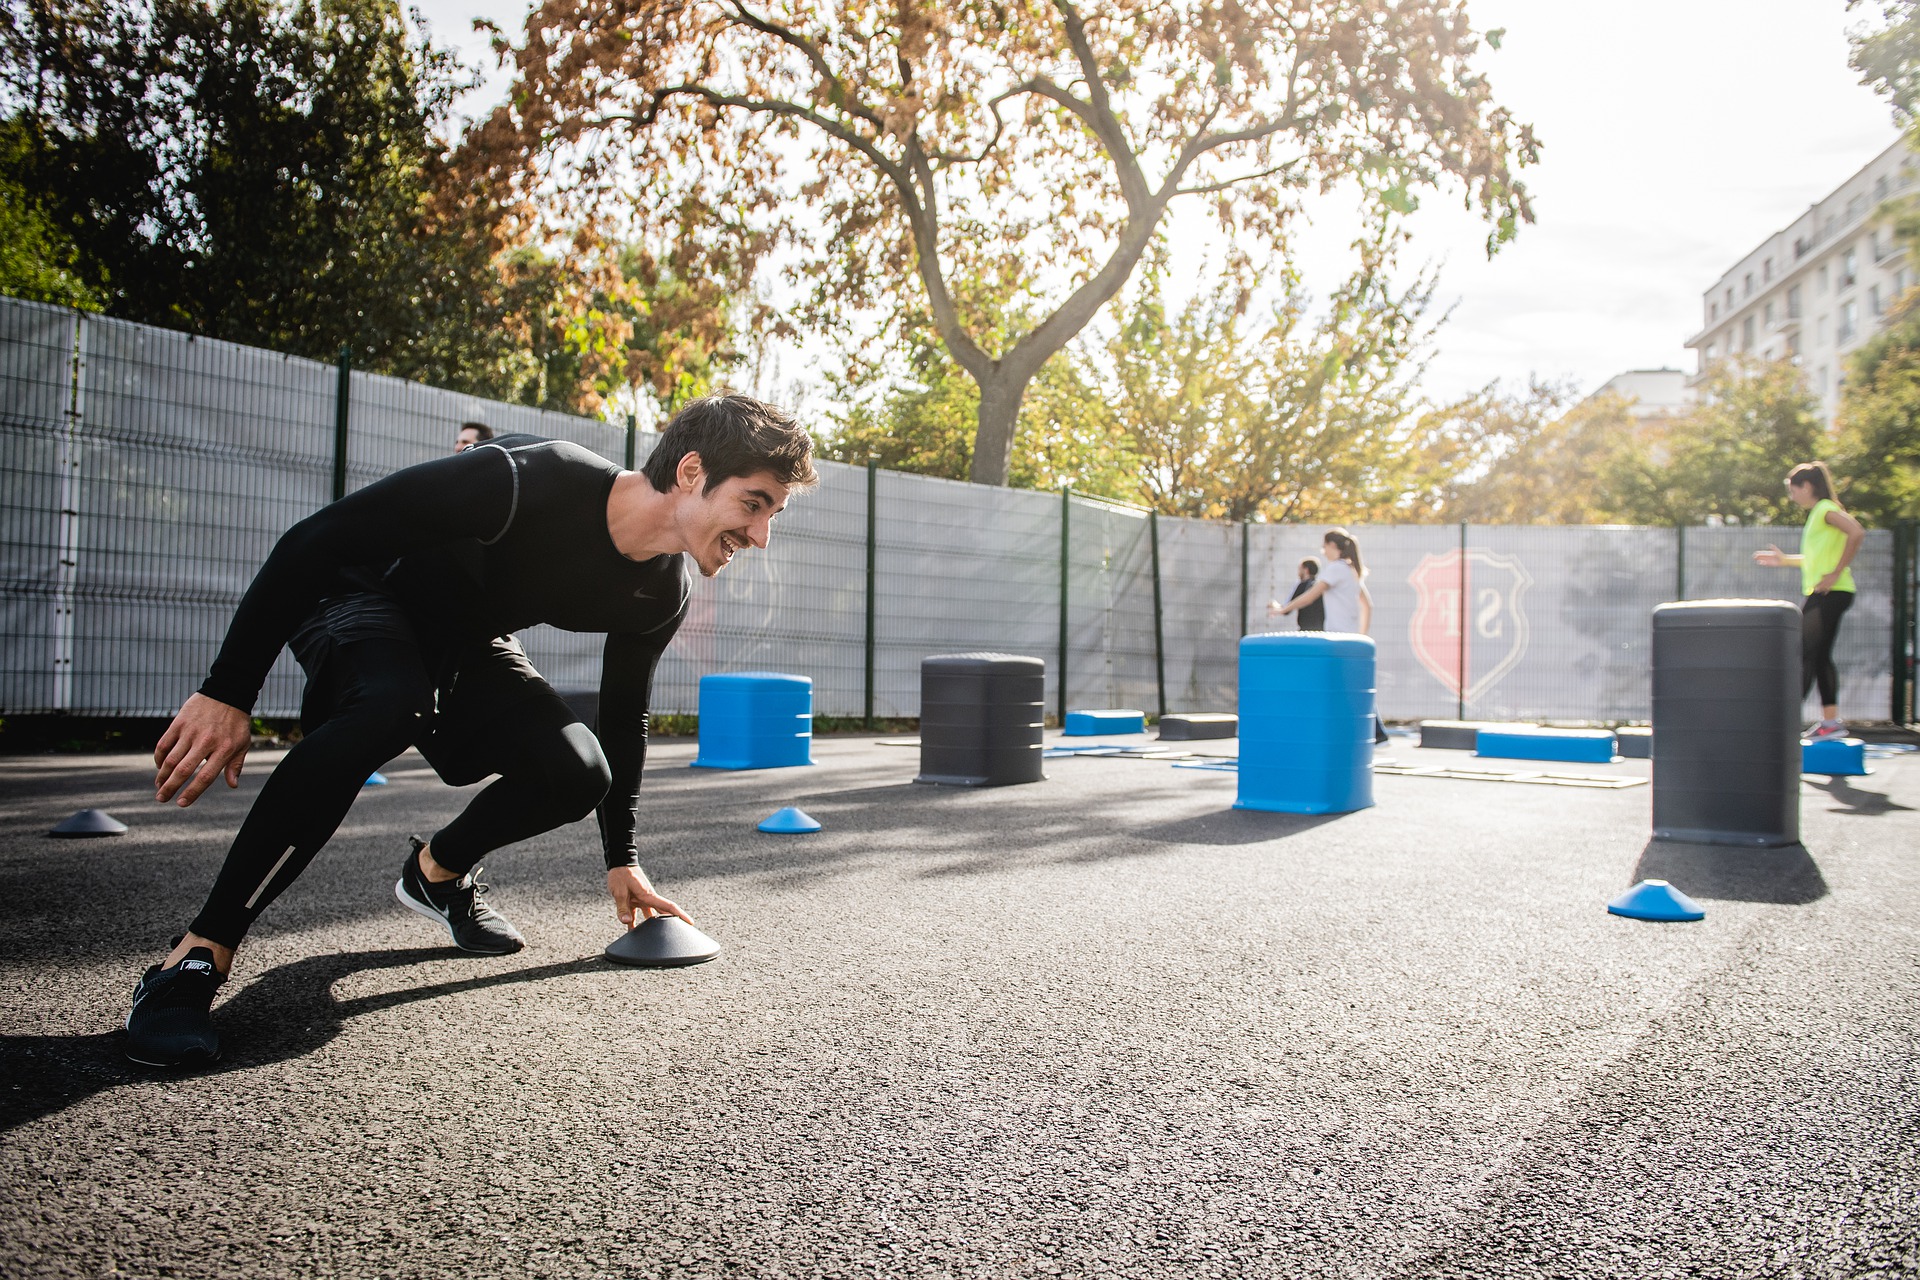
(145, 475)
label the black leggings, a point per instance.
(1819, 626)
(369, 700)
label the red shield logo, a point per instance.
(1469, 628)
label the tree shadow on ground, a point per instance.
(1853, 800)
(285, 1013)
(1787, 876)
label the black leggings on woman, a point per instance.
(369, 700)
(1819, 626)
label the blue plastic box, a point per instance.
(755, 720)
(1089, 724)
(1837, 757)
(1585, 746)
(1306, 723)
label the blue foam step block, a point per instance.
(375, 779)
(1656, 900)
(789, 822)
(1839, 757)
(1587, 746)
(1087, 724)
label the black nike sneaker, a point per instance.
(170, 1024)
(460, 905)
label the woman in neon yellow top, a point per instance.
(1827, 546)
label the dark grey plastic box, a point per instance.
(981, 719)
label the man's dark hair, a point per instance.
(734, 436)
(1311, 565)
(481, 431)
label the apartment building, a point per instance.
(1815, 290)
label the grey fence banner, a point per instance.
(145, 475)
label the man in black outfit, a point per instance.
(400, 602)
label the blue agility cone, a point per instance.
(375, 779)
(789, 822)
(1656, 900)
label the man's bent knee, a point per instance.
(581, 774)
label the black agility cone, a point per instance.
(89, 822)
(664, 942)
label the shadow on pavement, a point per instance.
(1788, 876)
(284, 1013)
(1237, 826)
(1853, 800)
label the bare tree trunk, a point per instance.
(1000, 395)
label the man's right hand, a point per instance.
(205, 740)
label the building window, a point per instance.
(1820, 331)
(1880, 187)
(1900, 281)
(1849, 323)
(1820, 383)
(1793, 303)
(1746, 334)
(1793, 347)
(1820, 280)
(1713, 312)
(1767, 316)
(1849, 267)
(1766, 270)
(1712, 353)
(1747, 285)
(1873, 300)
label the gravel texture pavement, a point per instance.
(1102, 1026)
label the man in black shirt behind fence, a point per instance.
(400, 602)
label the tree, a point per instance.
(925, 423)
(275, 172)
(1877, 452)
(1728, 459)
(1537, 456)
(1296, 417)
(36, 261)
(923, 153)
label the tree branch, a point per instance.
(814, 57)
(1098, 111)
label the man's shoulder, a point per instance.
(525, 448)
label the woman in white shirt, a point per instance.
(1342, 586)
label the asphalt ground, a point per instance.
(1099, 1026)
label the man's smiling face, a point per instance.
(735, 514)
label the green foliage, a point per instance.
(1877, 453)
(36, 261)
(1532, 458)
(925, 423)
(1296, 416)
(275, 172)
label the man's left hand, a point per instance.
(1825, 584)
(634, 899)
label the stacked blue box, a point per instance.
(1088, 724)
(1306, 723)
(755, 720)
(1836, 757)
(1528, 742)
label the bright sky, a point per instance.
(1677, 135)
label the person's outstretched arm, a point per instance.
(626, 689)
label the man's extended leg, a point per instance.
(377, 695)
(501, 718)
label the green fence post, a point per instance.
(1245, 525)
(1066, 514)
(1159, 630)
(1905, 536)
(1679, 562)
(873, 473)
(1460, 624)
(633, 436)
(342, 393)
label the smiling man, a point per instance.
(400, 602)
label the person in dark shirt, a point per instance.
(400, 602)
(471, 434)
(1313, 614)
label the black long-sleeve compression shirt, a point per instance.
(473, 546)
